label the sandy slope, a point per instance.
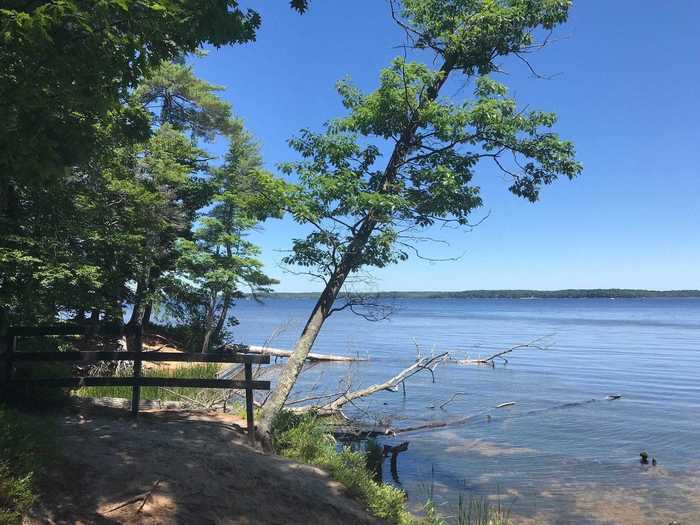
(197, 468)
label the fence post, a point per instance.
(136, 389)
(249, 402)
(9, 351)
(9, 343)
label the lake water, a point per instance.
(563, 453)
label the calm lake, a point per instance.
(563, 453)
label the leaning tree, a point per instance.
(365, 207)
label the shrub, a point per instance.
(306, 438)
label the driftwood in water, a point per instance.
(360, 430)
(454, 396)
(377, 431)
(277, 352)
(395, 451)
(424, 363)
(539, 343)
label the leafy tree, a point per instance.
(218, 261)
(66, 241)
(180, 102)
(67, 73)
(174, 95)
(65, 66)
(362, 209)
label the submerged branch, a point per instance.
(539, 344)
(424, 363)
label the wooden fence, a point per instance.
(11, 356)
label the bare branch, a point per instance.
(425, 363)
(456, 394)
(540, 343)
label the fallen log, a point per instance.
(358, 430)
(277, 352)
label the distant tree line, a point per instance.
(592, 293)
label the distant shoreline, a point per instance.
(598, 293)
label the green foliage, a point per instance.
(67, 66)
(173, 95)
(366, 211)
(217, 260)
(25, 443)
(364, 208)
(143, 221)
(302, 436)
(375, 456)
(305, 438)
(101, 171)
(299, 5)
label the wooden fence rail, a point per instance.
(10, 355)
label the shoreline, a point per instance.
(574, 293)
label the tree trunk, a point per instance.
(79, 316)
(138, 313)
(141, 314)
(147, 311)
(132, 328)
(222, 316)
(4, 320)
(318, 316)
(352, 259)
(209, 323)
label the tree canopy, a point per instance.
(102, 173)
(364, 209)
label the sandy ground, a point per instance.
(194, 467)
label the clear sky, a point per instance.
(626, 90)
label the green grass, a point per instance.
(307, 439)
(197, 370)
(25, 453)
(471, 511)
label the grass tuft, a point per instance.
(472, 511)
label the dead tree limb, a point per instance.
(147, 496)
(442, 406)
(424, 363)
(141, 497)
(313, 398)
(538, 344)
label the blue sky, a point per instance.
(626, 92)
